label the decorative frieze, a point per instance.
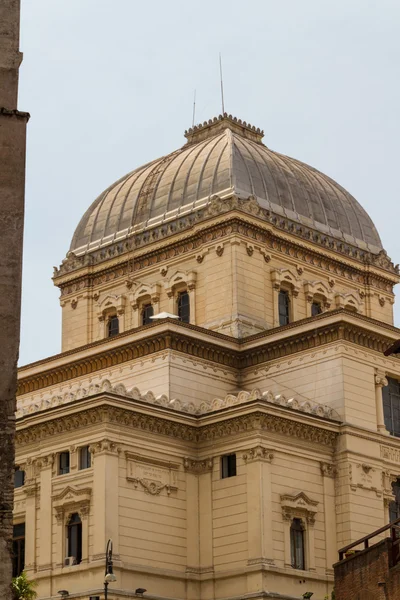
(390, 453)
(121, 252)
(254, 421)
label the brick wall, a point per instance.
(367, 575)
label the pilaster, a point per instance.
(328, 472)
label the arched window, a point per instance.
(297, 544)
(147, 312)
(113, 325)
(184, 307)
(74, 535)
(284, 307)
(394, 506)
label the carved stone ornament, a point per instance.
(198, 467)
(366, 477)
(299, 506)
(391, 454)
(152, 474)
(328, 470)
(219, 250)
(104, 446)
(381, 379)
(258, 453)
(250, 249)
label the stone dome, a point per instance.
(222, 157)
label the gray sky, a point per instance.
(109, 85)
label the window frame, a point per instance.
(296, 535)
(185, 318)
(146, 320)
(19, 485)
(62, 470)
(18, 543)
(228, 466)
(74, 538)
(88, 458)
(110, 331)
(318, 304)
(284, 293)
(391, 406)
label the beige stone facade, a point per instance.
(163, 405)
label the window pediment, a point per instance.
(299, 506)
(71, 496)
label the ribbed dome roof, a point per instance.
(223, 157)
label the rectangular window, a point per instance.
(184, 307)
(228, 466)
(316, 309)
(391, 406)
(63, 463)
(297, 544)
(283, 301)
(85, 459)
(19, 478)
(18, 549)
(147, 313)
(113, 326)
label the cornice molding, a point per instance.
(256, 420)
(269, 231)
(176, 339)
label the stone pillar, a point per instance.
(259, 513)
(105, 456)
(192, 300)
(329, 473)
(276, 288)
(194, 469)
(46, 521)
(30, 528)
(206, 532)
(121, 319)
(12, 191)
(380, 382)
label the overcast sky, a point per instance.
(109, 85)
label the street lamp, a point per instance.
(109, 576)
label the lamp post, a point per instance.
(109, 576)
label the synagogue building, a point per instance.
(221, 409)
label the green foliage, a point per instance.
(22, 588)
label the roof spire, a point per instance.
(222, 84)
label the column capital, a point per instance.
(381, 379)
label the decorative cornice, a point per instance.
(18, 114)
(319, 334)
(67, 278)
(205, 407)
(257, 420)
